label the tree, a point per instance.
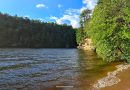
(85, 17)
(23, 32)
(109, 29)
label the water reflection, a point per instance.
(92, 68)
(44, 69)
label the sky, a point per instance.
(59, 11)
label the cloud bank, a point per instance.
(71, 18)
(90, 4)
(72, 15)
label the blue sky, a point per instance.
(59, 11)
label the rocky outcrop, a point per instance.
(87, 45)
(111, 78)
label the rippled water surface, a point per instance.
(45, 69)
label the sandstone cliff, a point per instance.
(87, 45)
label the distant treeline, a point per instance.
(23, 32)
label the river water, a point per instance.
(50, 69)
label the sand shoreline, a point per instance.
(112, 78)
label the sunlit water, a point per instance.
(45, 69)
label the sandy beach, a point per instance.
(118, 79)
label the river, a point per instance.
(50, 69)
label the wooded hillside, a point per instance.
(23, 32)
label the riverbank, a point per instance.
(87, 45)
(115, 80)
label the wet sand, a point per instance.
(124, 84)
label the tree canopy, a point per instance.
(23, 32)
(109, 29)
(81, 33)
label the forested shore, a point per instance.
(108, 26)
(23, 32)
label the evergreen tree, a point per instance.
(23, 32)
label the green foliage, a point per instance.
(81, 34)
(109, 29)
(84, 17)
(23, 32)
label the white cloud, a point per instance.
(73, 19)
(83, 8)
(53, 17)
(41, 6)
(71, 11)
(72, 15)
(90, 4)
(59, 5)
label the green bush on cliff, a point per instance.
(110, 31)
(81, 33)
